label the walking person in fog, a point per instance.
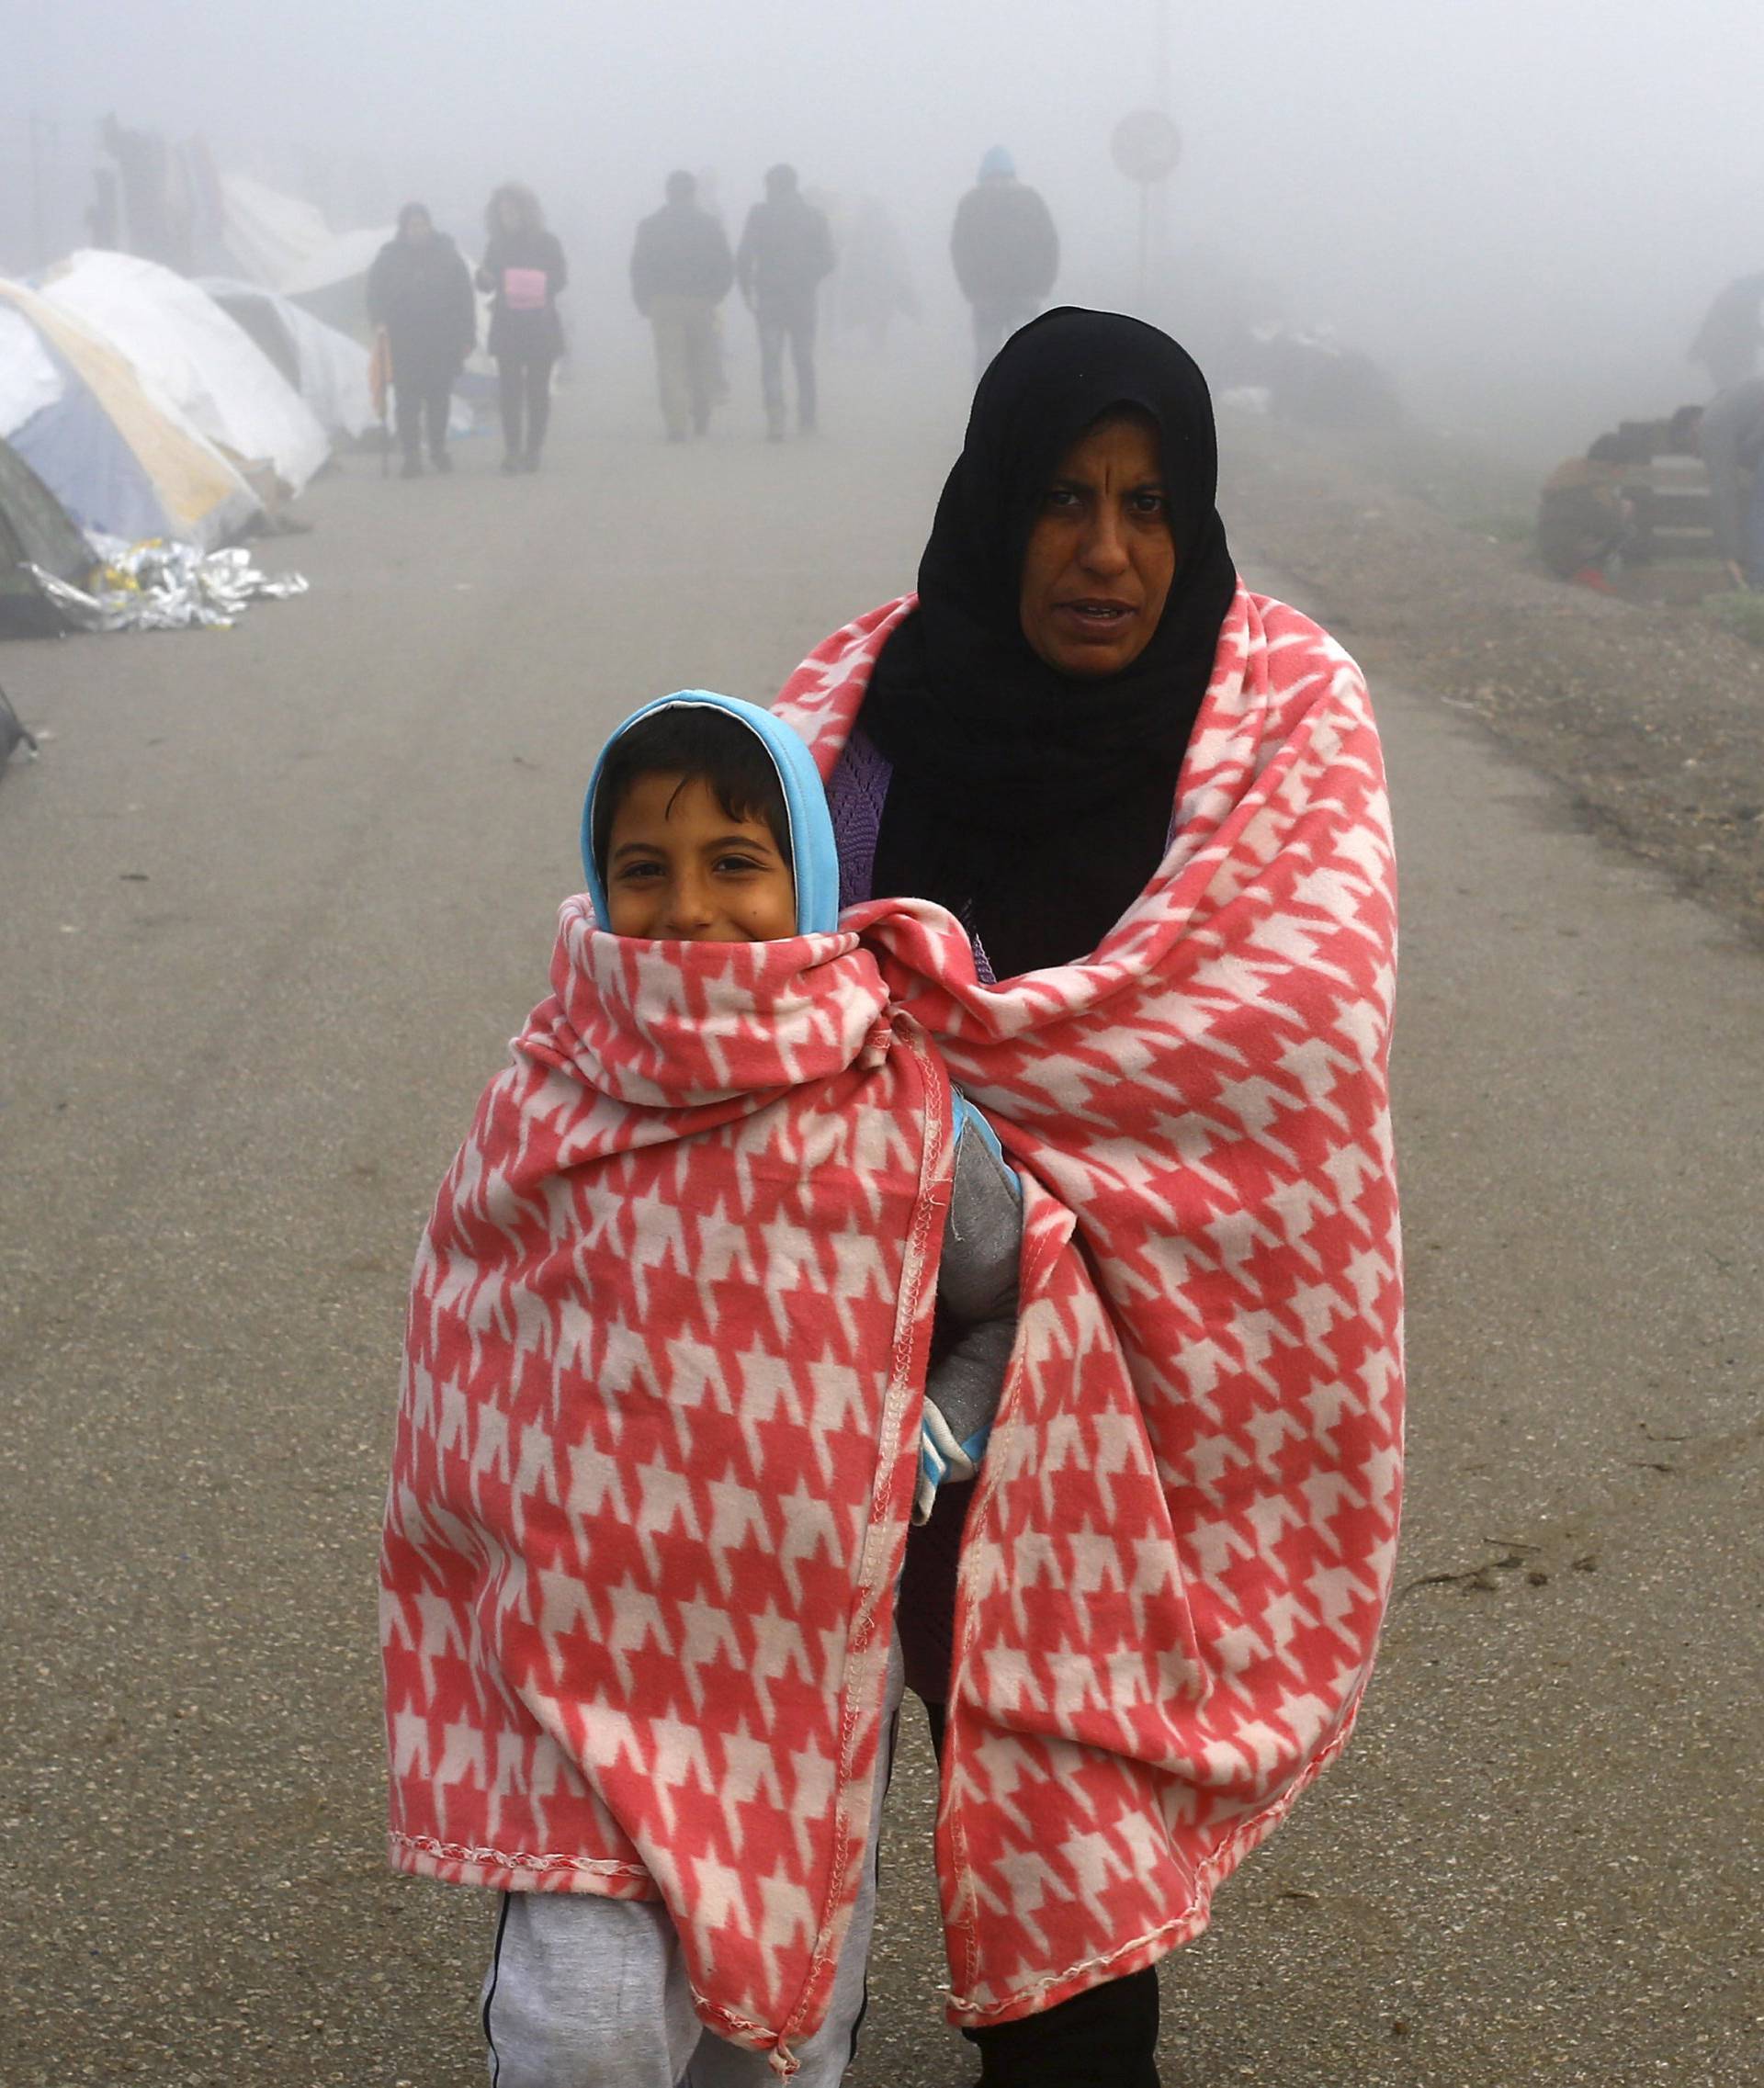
(681, 271)
(419, 289)
(1006, 254)
(523, 272)
(785, 250)
(875, 283)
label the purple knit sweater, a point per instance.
(856, 792)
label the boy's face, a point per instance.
(680, 870)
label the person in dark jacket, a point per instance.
(785, 250)
(1006, 254)
(681, 271)
(419, 289)
(523, 271)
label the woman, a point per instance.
(419, 289)
(1155, 803)
(523, 272)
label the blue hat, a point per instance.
(997, 161)
(814, 855)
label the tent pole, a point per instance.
(39, 230)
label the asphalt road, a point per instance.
(271, 902)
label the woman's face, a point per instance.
(511, 214)
(1101, 558)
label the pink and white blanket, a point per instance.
(656, 1448)
(667, 1339)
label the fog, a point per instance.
(1522, 210)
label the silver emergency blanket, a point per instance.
(159, 586)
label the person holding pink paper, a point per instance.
(523, 271)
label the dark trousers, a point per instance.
(788, 318)
(416, 399)
(1104, 2037)
(995, 321)
(525, 382)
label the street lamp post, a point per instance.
(1146, 147)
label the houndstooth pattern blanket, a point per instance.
(1176, 1563)
(667, 1336)
(656, 1453)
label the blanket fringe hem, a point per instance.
(970, 2012)
(504, 1870)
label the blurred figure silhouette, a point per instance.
(523, 271)
(1730, 435)
(709, 199)
(419, 289)
(681, 271)
(785, 250)
(1727, 341)
(874, 286)
(1585, 518)
(1006, 254)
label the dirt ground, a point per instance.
(1652, 716)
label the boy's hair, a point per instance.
(698, 745)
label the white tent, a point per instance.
(188, 349)
(116, 452)
(331, 368)
(29, 380)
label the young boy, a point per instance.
(687, 838)
(705, 823)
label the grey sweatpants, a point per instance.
(584, 1992)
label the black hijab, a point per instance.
(1036, 804)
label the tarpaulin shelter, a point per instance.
(269, 234)
(35, 530)
(333, 284)
(284, 242)
(179, 339)
(327, 368)
(119, 458)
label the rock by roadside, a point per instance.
(1653, 718)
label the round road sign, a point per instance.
(1147, 146)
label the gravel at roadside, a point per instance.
(1651, 716)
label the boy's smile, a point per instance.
(679, 869)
